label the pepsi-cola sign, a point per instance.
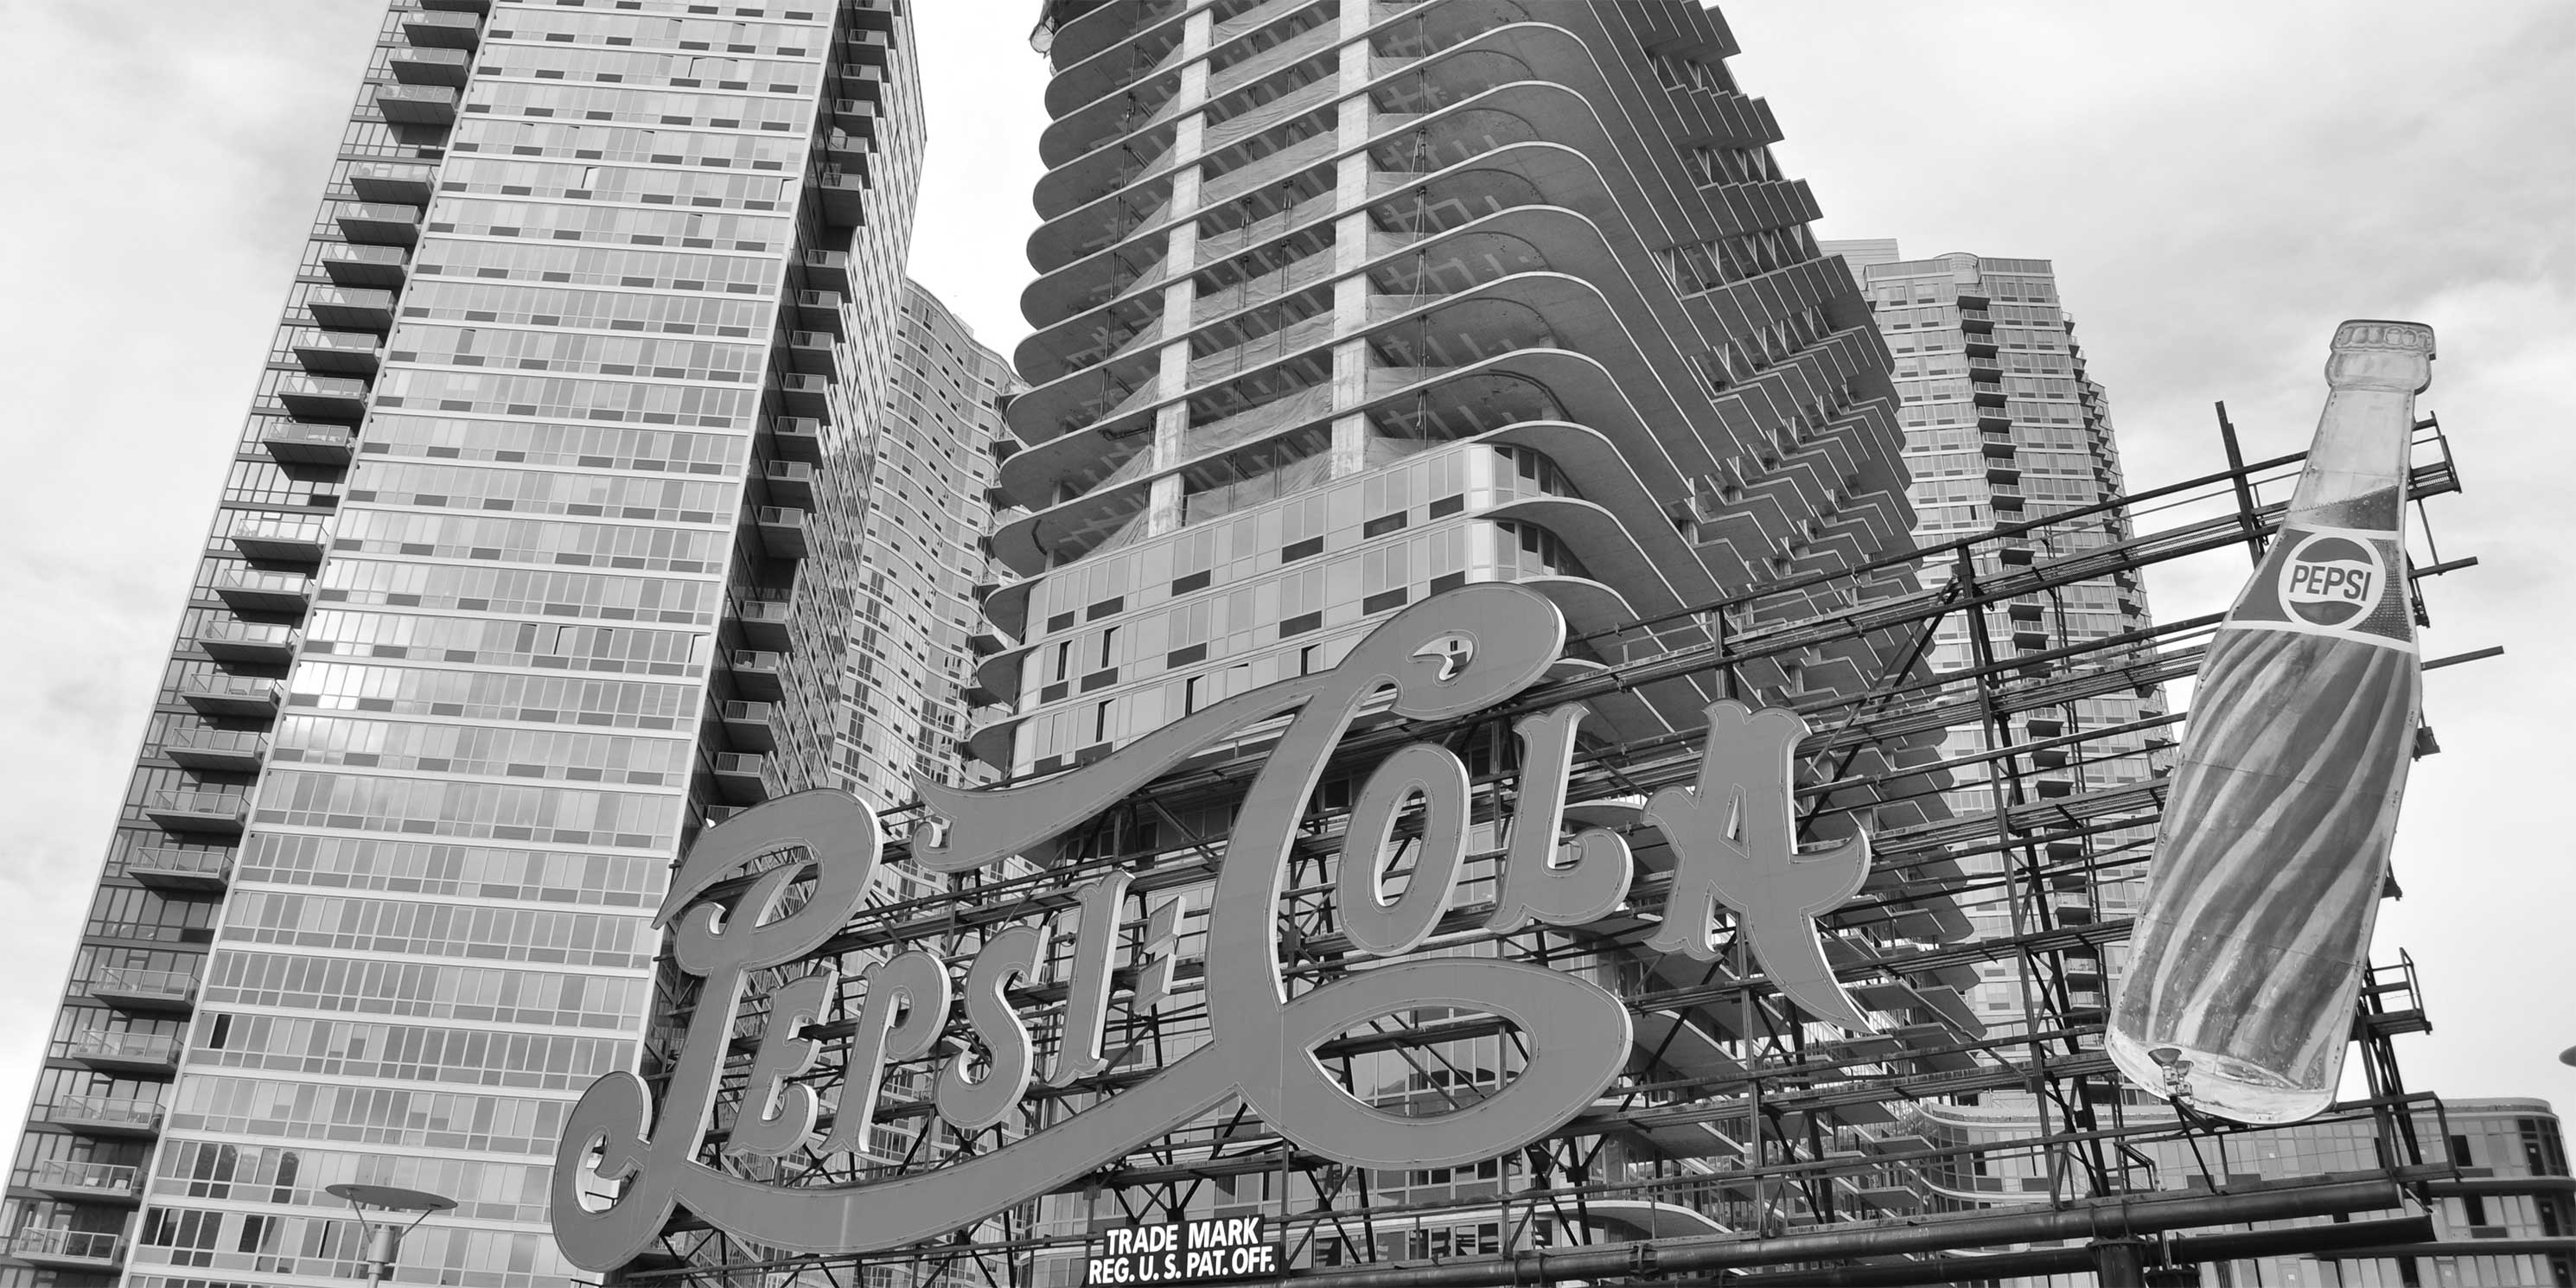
(768, 888)
(2332, 580)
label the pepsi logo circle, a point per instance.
(2332, 581)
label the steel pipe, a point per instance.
(2098, 1218)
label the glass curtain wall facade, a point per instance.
(2003, 428)
(538, 552)
(913, 646)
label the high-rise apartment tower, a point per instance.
(1341, 304)
(539, 550)
(921, 561)
(2003, 428)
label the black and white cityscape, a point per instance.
(1365, 643)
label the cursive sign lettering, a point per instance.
(1449, 656)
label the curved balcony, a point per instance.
(1555, 111)
(1143, 53)
(1102, 24)
(1582, 387)
(104, 1116)
(1007, 607)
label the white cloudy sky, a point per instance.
(2218, 183)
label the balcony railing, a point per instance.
(763, 623)
(759, 675)
(335, 353)
(230, 695)
(364, 267)
(797, 438)
(134, 989)
(251, 591)
(828, 270)
(431, 66)
(296, 443)
(782, 529)
(738, 776)
(789, 483)
(401, 183)
(127, 1050)
(283, 540)
(819, 310)
(747, 724)
(105, 1115)
(187, 871)
(186, 811)
(443, 30)
(382, 223)
(417, 104)
(75, 1248)
(229, 751)
(811, 351)
(806, 395)
(341, 308)
(69, 1179)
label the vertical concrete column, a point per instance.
(1172, 420)
(1350, 249)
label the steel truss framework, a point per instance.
(1741, 1137)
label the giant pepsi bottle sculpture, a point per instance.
(2242, 972)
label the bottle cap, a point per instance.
(2372, 354)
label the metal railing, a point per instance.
(126, 1045)
(109, 1110)
(71, 1174)
(174, 984)
(85, 1245)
